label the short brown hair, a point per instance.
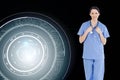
(94, 7)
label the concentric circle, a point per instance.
(33, 47)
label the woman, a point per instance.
(93, 34)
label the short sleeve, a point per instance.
(81, 30)
(106, 33)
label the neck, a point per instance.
(94, 20)
(94, 23)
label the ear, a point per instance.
(99, 14)
(89, 14)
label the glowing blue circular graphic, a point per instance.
(33, 47)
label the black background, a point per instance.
(70, 15)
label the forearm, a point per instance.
(83, 37)
(103, 39)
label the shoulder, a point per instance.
(101, 24)
(86, 22)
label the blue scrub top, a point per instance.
(92, 46)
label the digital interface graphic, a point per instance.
(33, 47)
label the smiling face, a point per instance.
(94, 13)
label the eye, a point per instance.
(96, 13)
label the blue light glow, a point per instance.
(33, 48)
